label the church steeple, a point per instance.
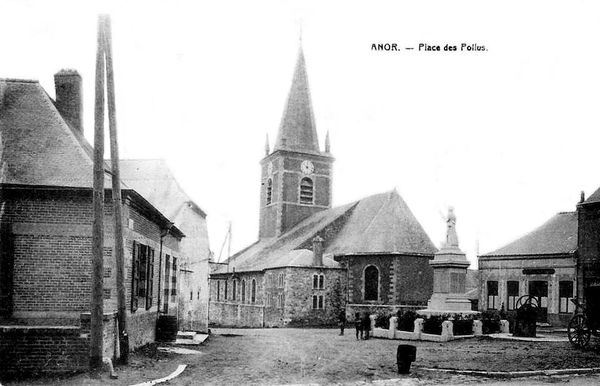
(297, 131)
(295, 180)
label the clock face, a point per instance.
(270, 168)
(307, 167)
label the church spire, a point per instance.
(298, 131)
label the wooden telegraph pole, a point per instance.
(116, 195)
(97, 301)
(104, 62)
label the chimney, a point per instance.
(582, 198)
(69, 97)
(317, 251)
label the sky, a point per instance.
(507, 136)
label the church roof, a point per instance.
(298, 131)
(378, 224)
(558, 235)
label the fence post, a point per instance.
(504, 327)
(477, 328)
(418, 329)
(447, 330)
(393, 327)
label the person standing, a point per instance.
(342, 321)
(366, 325)
(358, 325)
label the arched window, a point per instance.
(371, 283)
(233, 295)
(306, 191)
(253, 296)
(269, 191)
(243, 291)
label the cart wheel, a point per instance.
(579, 332)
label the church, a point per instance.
(312, 261)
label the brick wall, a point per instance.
(50, 233)
(27, 350)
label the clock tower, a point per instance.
(296, 175)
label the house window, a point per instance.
(198, 295)
(318, 281)
(512, 293)
(253, 292)
(218, 290)
(306, 191)
(492, 295)
(225, 297)
(191, 295)
(269, 191)
(174, 280)
(234, 290)
(371, 283)
(167, 282)
(317, 302)
(565, 295)
(243, 291)
(281, 280)
(142, 276)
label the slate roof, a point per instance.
(594, 197)
(558, 235)
(379, 224)
(298, 131)
(39, 149)
(153, 179)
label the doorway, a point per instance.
(539, 290)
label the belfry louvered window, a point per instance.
(306, 191)
(269, 191)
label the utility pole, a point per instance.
(97, 301)
(116, 196)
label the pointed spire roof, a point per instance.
(298, 131)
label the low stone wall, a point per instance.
(417, 334)
(31, 350)
(235, 314)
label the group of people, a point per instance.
(362, 324)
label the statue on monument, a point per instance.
(451, 236)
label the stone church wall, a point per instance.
(402, 279)
(299, 296)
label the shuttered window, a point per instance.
(306, 191)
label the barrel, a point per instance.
(166, 328)
(405, 355)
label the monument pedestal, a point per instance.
(449, 277)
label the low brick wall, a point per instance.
(30, 350)
(238, 315)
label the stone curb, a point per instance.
(174, 374)
(516, 374)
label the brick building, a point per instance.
(185, 294)
(542, 264)
(311, 260)
(46, 229)
(588, 263)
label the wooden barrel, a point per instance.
(166, 328)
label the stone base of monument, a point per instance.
(442, 304)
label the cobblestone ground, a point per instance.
(303, 356)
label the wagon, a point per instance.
(582, 325)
